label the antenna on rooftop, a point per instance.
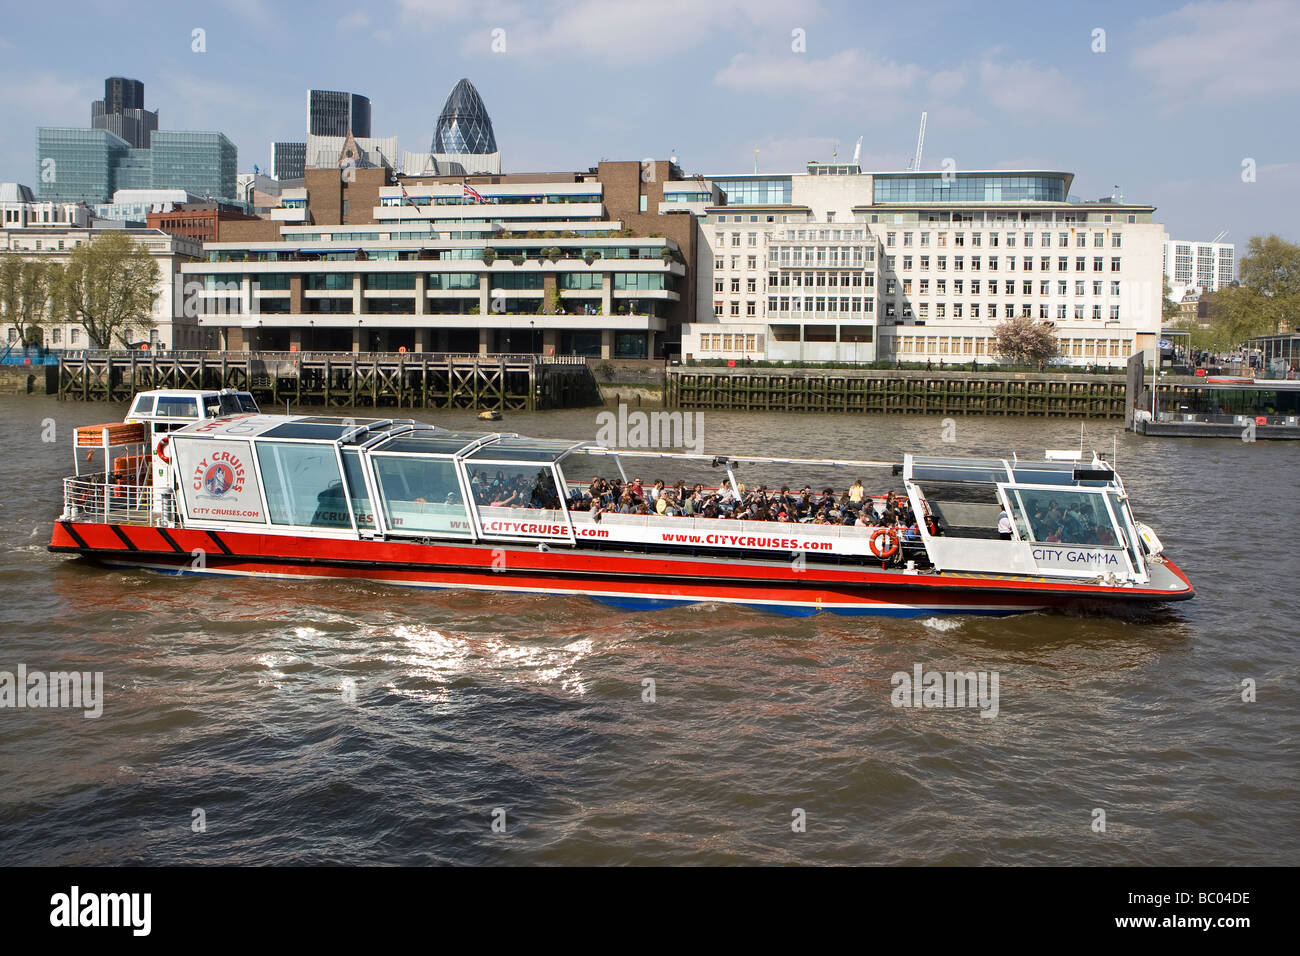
(920, 144)
(755, 159)
(857, 150)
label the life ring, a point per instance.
(1261, 419)
(160, 449)
(931, 525)
(891, 537)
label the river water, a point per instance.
(227, 734)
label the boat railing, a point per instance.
(115, 502)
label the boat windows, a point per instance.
(1066, 517)
(303, 485)
(421, 494)
(247, 403)
(143, 405)
(177, 406)
(362, 508)
(513, 486)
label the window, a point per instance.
(422, 494)
(1114, 264)
(1097, 264)
(1115, 241)
(302, 484)
(1114, 287)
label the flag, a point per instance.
(473, 193)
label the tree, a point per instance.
(109, 285)
(1025, 341)
(25, 293)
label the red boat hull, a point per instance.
(623, 577)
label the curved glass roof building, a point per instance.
(464, 125)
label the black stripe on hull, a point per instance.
(229, 560)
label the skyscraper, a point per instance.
(122, 112)
(464, 125)
(331, 113)
(288, 160)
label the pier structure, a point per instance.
(338, 379)
(1045, 394)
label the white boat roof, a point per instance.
(386, 436)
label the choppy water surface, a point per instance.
(228, 695)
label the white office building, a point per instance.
(173, 328)
(1194, 267)
(838, 265)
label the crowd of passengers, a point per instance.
(1074, 522)
(519, 491)
(852, 507)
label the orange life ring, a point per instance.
(874, 543)
(1261, 419)
(159, 450)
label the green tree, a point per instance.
(1266, 299)
(26, 291)
(1024, 341)
(109, 285)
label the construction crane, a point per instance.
(1219, 237)
(920, 144)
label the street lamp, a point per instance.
(532, 342)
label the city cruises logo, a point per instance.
(219, 474)
(949, 689)
(23, 689)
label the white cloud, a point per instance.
(846, 75)
(1021, 87)
(601, 30)
(947, 82)
(1221, 52)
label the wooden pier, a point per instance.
(338, 379)
(1044, 394)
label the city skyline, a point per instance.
(1173, 104)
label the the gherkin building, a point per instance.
(464, 125)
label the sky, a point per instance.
(1191, 107)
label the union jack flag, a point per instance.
(473, 193)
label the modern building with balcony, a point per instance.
(594, 263)
(838, 265)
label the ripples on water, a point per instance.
(231, 696)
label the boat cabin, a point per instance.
(385, 478)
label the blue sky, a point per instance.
(1181, 96)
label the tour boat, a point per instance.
(205, 483)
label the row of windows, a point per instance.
(972, 310)
(940, 286)
(1026, 263)
(735, 342)
(849, 304)
(818, 280)
(1026, 239)
(979, 345)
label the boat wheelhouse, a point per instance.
(413, 503)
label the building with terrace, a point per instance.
(838, 265)
(596, 263)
